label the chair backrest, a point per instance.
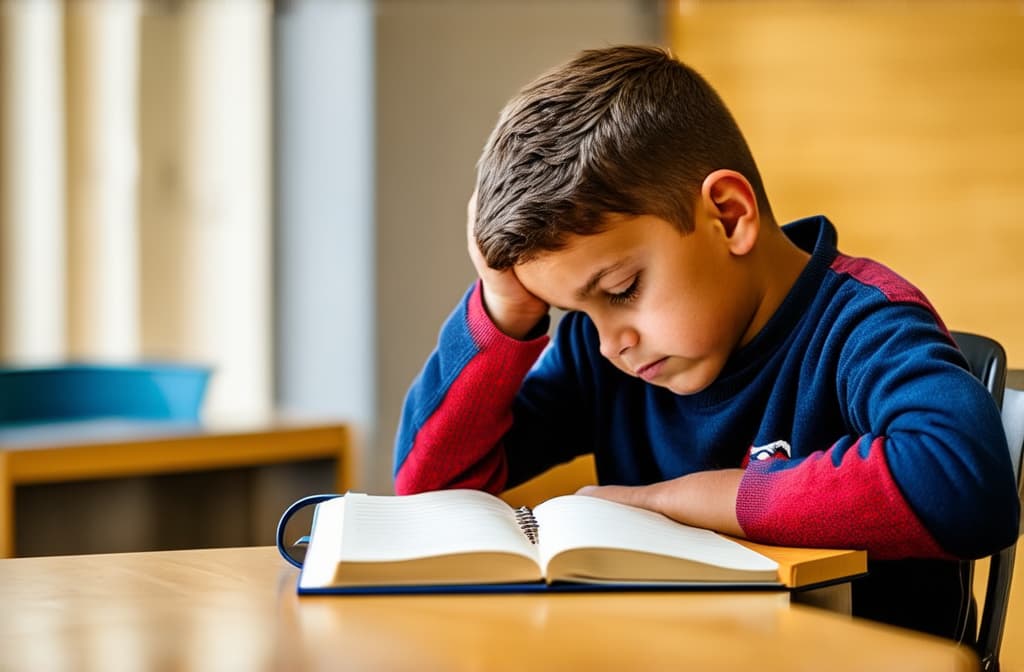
(1000, 572)
(1013, 423)
(987, 360)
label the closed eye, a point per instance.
(626, 295)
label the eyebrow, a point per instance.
(588, 287)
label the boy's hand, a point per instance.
(702, 499)
(512, 308)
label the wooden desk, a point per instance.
(55, 452)
(236, 609)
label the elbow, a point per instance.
(1004, 527)
(411, 478)
(407, 483)
(414, 477)
(991, 529)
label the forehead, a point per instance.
(558, 275)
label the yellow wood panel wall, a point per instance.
(902, 121)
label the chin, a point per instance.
(691, 382)
(688, 390)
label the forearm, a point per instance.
(460, 406)
(848, 497)
(704, 499)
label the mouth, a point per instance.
(649, 371)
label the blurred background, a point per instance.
(277, 189)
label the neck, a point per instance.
(777, 265)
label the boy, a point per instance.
(724, 371)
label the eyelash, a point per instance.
(627, 295)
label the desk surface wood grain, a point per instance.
(236, 609)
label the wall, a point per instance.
(900, 121)
(324, 208)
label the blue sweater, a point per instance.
(852, 412)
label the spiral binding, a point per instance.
(526, 521)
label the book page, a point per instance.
(430, 539)
(322, 558)
(447, 522)
(579, 522)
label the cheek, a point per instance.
(684, 328)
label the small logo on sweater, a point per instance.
(776, 450)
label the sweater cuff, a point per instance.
(486, 335)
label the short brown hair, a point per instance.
(626, 130)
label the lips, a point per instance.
(650, 371)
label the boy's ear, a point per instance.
(728, 197)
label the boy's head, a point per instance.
(624, 130)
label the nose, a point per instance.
(616, 339)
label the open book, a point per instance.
(470, 539)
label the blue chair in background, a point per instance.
(68, 392)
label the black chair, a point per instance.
(987, 360)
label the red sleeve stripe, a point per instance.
(891, 284)
(459, 445)
(853, 505)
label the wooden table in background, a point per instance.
(236, 609)
(74, 451)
